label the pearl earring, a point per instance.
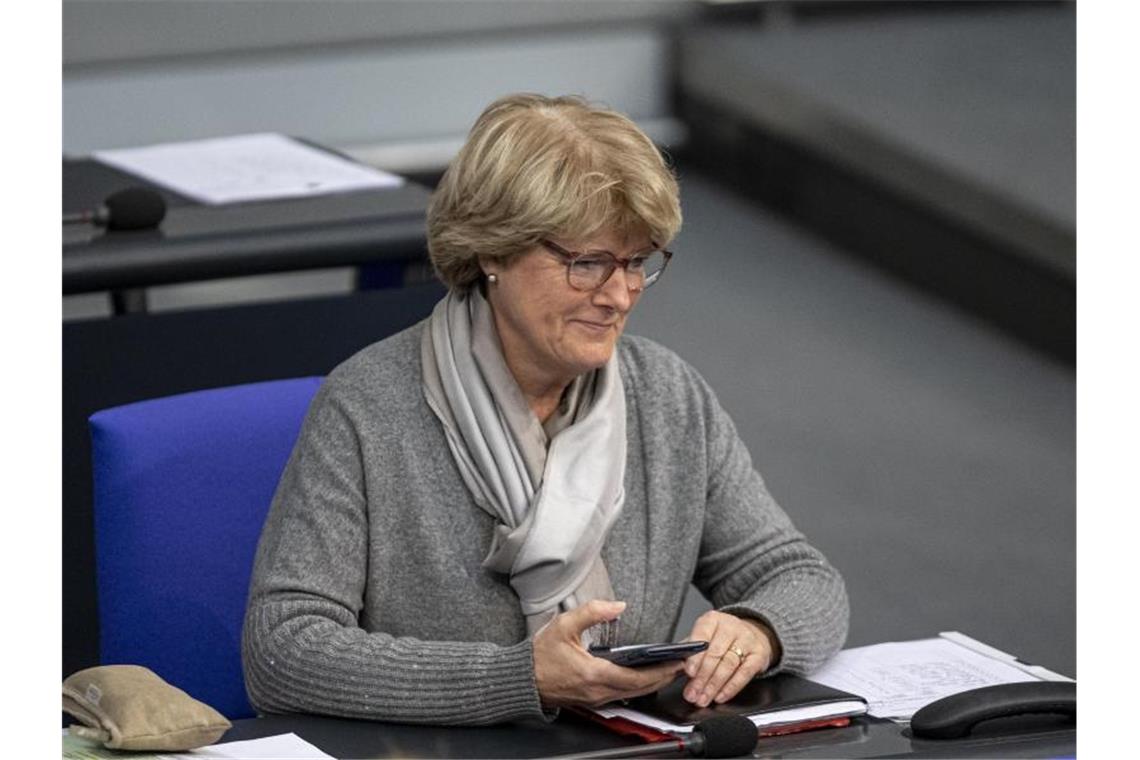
(492, 278)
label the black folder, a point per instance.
(764, 695)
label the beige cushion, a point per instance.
(129, 707)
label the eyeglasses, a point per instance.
(591, 270)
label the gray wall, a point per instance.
(349, 74)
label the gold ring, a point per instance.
(736, 650)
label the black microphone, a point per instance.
(722, 736)
(135, 208)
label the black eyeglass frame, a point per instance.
(571, 256)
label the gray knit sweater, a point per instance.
(369, 599)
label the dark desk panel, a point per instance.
(197, 242)
(864, 738)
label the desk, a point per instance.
(865, 737)
(197, 242)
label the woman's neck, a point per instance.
(542, 393)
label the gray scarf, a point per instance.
(553, 506)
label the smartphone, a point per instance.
(648, 654)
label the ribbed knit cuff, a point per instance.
(510, 691)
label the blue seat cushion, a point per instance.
(182, 487)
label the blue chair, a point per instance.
(182, 487)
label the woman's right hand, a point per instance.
(566, 674)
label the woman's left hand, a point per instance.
(739, 650)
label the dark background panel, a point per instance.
(108, 362)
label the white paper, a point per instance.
(898, 678)
(246, 168)
(281, 747)
(762, 720)
(1037, 671)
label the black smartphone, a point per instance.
(648, 654)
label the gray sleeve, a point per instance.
(303, 649)
(754, 563)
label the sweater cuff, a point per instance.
(547, 714)
(510, 690)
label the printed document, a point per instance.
(897, 678)
(253, 167)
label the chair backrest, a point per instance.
(182, 487)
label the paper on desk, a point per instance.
(897, 678)
(246, 168)
(282, 747)
(762, 720)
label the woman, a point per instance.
(475, 499)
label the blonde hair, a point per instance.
(535, 167)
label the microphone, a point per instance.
(722, 736)
(135, 208)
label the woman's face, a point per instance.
(551, 332)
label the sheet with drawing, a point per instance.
(897, 678)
